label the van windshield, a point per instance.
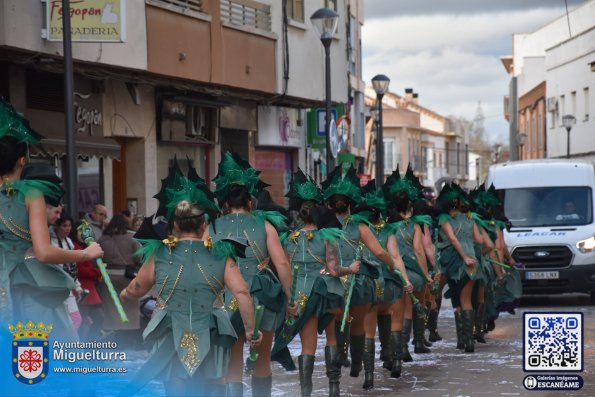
(548, 206)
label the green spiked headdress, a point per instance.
(372, 198)
(233, 170)
(483, 198)
(302, 188)
(396, 183)
(346, 185)
(12, 123)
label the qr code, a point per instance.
(553, 342)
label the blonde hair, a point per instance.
(189, 217)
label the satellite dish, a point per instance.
(333, 138)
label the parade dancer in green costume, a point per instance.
(190, 331)
(318, 290)
(342, 193)
(389, 299)
(401, 193)
(31, 288)
(236, 183)
(458, 259)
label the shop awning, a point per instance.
(85, 147)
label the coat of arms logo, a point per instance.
(30, 351)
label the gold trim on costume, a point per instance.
(189, 343)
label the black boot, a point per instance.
(384, 322)
(369, 348)
(235, 389)
(357, 351)
(419, 347)
(433, 326)
(342, 344)
(479, 332)
(261, 387)
(396, 342)
(333, 371)
(459, 328)
(467, 320)
(306, 367)
(405, 355)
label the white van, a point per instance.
(550, 206)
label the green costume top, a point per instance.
(388, 286)
(315, 293)
(452, 263)
(262, 282)
(405, 233)
(29, 289)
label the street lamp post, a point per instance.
(568, 121)
(380, 83)
(374, 113)
(521, 137)
(325, 21)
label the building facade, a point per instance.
(185, 80)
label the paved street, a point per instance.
(495, 369)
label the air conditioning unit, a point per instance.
(195, 121)
(552, 104)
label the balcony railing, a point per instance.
(181, 6)
(246, 13)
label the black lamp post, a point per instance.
(325, 21)
(521, 137)
(380, 83)
(568, 121)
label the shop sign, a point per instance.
(278, 126)
(87, 114)
(90, 20)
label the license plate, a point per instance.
(542, 275)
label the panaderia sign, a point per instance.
(90, 20)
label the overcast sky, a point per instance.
(449, 51)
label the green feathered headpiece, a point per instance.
(414, 181)
(450, 192)
(483, 198)
(167, 182)
(346, 185)
(396, 183)
(372, 197)
(233, 170)
(302, 188)
(195, 192)
(12, 123)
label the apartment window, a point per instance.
(389, 156)
(295, 10)
(466, 159)
(440, 160)
(447, 156)
(248, 13)
(458, 157)
(573, 102)
(562, 107)
(586, 103)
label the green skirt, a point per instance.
(327, 293)
(414, 272)
(392, 287)
(265, 290)
(364, 289)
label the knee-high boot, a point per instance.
(467, 319)
(384, 321)
(396, 342)
(369, 350)
(306, 367)
(479, 332)
(419, 347)
(357, 351)
(261, 387)
(342, 344)
(333, 370)
(432, 325)
(235, 389)
(405, 355)
(459, 328)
